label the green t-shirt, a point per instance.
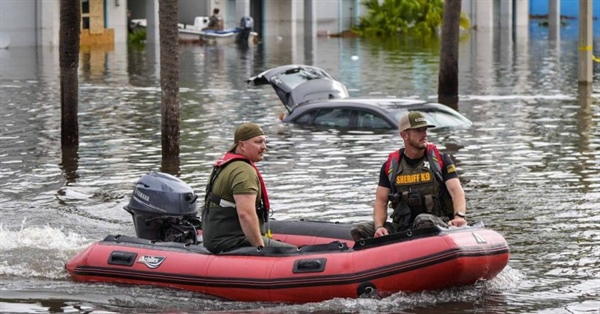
(238, 177)
(221, 228)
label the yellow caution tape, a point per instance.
(589, 48)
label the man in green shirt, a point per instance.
(236, 203)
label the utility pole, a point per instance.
(585, 41)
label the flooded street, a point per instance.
(530, 164)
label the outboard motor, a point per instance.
(163, 208)
(246, 25)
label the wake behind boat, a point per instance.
(327, 264)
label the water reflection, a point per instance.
(171, 165)
(70, 164)
(585, 130)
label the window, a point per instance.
(92, 16)
(369, 120)
(445, 119)
(306, 118)
(336, 117)
(85, 14)
(297, 76)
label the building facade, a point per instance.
(37, 22)
(104, 22)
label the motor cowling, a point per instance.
(163, 208)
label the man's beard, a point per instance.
(417, 144)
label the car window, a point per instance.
(295, 77)
(440, 119)
(306, 117)
(445, 119)
(369, 120)
(336, 117)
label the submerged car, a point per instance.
(313, 97)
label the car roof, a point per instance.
(389, 109)
(303, 88)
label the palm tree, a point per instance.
(169, 83)
(70, 19)
(448, 75)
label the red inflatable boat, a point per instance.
(327, 264)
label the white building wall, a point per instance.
(327, 16)
(49, 23)
(18, 21)
(116, 18)
(280, 17)
(522, 13)
(335, 16)
(484, 14)
(242, 8)
(506, 14)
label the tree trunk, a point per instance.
(169, 80)
(448, 76)
(70, 20)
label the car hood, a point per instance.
(297, 84)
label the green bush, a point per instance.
(137, 38)
(418, 18)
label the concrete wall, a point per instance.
(189, 9)
(281, 18)
(48, 13)
(327, 16)
(18, 22)
(116, 18)
(504, 14)
(335, 16)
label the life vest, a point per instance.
(417, 189)
(262, 207)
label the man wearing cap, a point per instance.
(419, 184)
(236, 205)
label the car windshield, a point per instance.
(297, 76)
(441, 119)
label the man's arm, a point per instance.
(246, 209)
(380, 210)
(458, 200)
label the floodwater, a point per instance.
(530, 164)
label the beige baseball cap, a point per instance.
(413, 120)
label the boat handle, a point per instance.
(309, 265)
(122, 258)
